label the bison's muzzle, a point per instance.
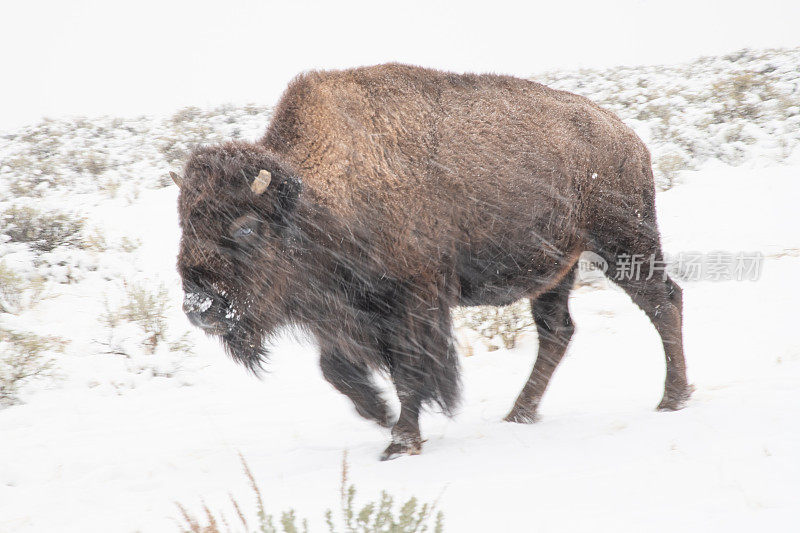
(209, 312)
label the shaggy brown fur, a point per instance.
(399, 192)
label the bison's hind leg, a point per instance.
(555, 329)
(355, 381)
(661, 300)
(636, 264)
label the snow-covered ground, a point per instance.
(114, 440)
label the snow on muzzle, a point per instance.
(208, 311)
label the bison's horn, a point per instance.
(176, 178)
(261, 182)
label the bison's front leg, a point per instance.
(355, 381)
(406, 437)
(424, 368)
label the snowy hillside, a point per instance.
(112, 408)
(734, 108)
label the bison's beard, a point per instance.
(244, 342)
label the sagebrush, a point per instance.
(43, 231)
(373, 517)
(500, 327)
(18, 293)
(147, 307)
(23, 358)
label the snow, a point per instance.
(78, 458)
(116, 439)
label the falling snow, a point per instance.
(114, 439)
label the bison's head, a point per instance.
(236, 205)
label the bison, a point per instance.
(381, 197)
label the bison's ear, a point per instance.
(177, 179)
(288, 193)
(261, 182)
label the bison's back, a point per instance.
(447, 162)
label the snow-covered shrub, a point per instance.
(135, 331)
(146, 308)
(80, 155)
(32, 177)
(110, 186)
(43, 231)
(374, 517)
(189, 127)
(129, 245)
(498, 326)
(18, 293)
(23, 355)
(186, 114)
(728, 108)
(667, 168)
(23, 358)
(95, 240)
(176, 145)
(94, 163)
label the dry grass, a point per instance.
(42, 231)
(17, 293)
(146, 307)
(667, 168)
(374, 517)
(22, 359)
(212, 522)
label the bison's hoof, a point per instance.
(399, 448)
(521, 417)
(675, 401)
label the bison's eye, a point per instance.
(244, 229)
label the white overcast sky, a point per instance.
(62, 57)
